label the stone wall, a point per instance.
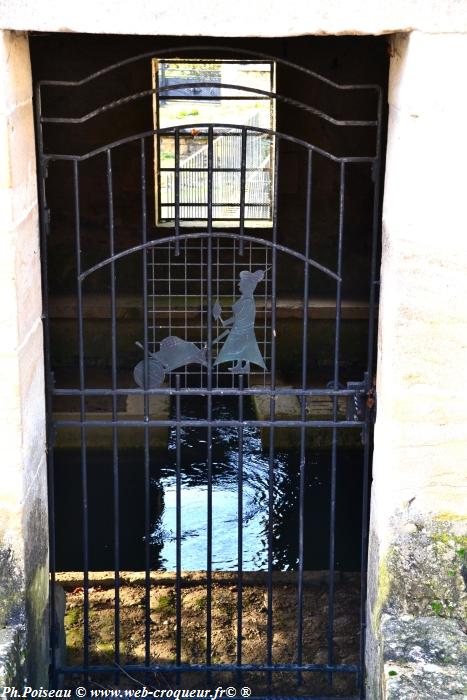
(23, 495)
(419, 495)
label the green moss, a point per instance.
(10, 587)
(105, 648)
(72, 617)
(165, 605)
(446, 516)
(74, 635)
(37, 596)
(201, 603)
(382, 596)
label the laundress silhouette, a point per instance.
(241, 345)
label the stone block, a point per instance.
(424, 79)
(12, 656)
(36, 572)
(101, 438)
(22, 162)
(424, 658)
(28, 274)
(287, 407)
(15, 70)
(216, 18)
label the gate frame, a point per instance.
(361, 393)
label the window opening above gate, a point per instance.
(193, 93)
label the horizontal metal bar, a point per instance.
(228, 391)
(171, 129)
(219, 98)
(210, 235)
(204, 423)
(170, 668)
(162, 53)
(258, 205)
(182, 169)
(199, 220)
(228, 86)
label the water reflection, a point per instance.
(162, 503)
(255, 517)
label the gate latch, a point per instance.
(356, 402)
(361, 404)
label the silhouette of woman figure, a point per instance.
(241, 345)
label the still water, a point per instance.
(194, 490)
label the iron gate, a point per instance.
(213, 261)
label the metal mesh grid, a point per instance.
(177, 300)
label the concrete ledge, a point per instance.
(98, 437)
(13, 656)
(130, 307)
(317, 408)
(106, 579)
(424, 658)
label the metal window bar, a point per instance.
(232, 161)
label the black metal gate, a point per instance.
(187, 272)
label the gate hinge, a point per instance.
(371, 401)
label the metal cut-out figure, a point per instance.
(174, 353)
(241, 346)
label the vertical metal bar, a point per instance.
(272, 410)
(178, 554)
(158, 151)
(376, 175)
(44, 231)
(332, 515)
(82, 412)
(369, 375)
(201, 297)
(147, 481)
(240, 533)
(116, 494)
(209, 409)
(177, 191)
(301, 504)
(242, 187)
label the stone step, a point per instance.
(287, 407)
(101, 438)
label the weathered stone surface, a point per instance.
(422, 579)
(23, 496)
(12, 656)
(219, 18)
(424, 658)
(11, 586)
(427, 571)
(419, 490)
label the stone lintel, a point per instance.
(220, 18)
